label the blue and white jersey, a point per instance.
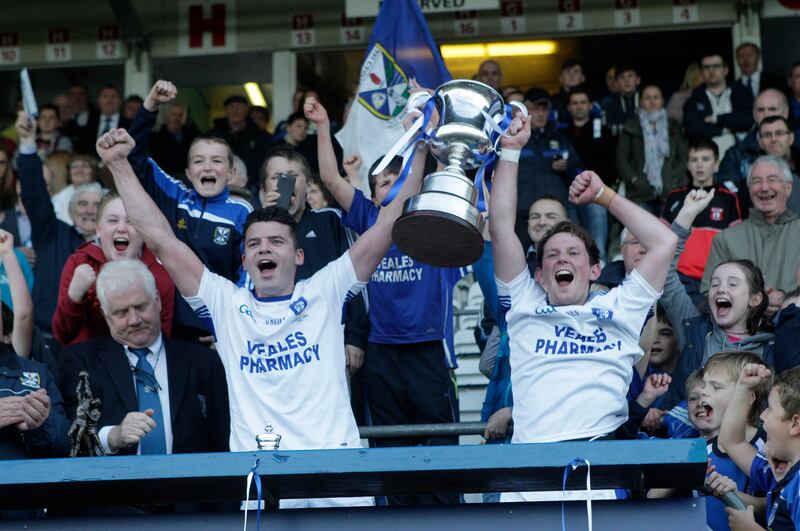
(565, 357)
(409, 302)
(783, 513)
(284, 358)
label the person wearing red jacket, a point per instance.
(78, 316)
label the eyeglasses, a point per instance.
(715, 66)
(774, 134)
(76, 165)
(772, 179)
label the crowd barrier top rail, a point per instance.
(208, 477)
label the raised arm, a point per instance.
(182, 264)
(22, 335)
(35, 197)
(338, 186)
(734, 423)
(368, 250)
(657, 239)
(161, 92)
(509, 259)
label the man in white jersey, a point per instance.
(282, 343)
(571, 356)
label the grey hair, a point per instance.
(83, 189)
(122, 274)
(241, 167)
(774, 92)
(772, 161)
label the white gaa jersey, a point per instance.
(284, 358)
(571, 366)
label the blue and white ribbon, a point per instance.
(253, 475)
(574, 464)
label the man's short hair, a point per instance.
(771, 120)
(787, 385)
(713, 54)
(263, 110)
(548, 197)
(236, 98)
(48, 107)
(622, 68)
(583, 88)
(85, 188)
(134, 97)
(576, 230)
(748, 43)
(732, 362)
(290, 154)
(213, 139)
(111, 86)
(771, 161)
(569, 63)
(276, 214)
(395, 167)
(699, 144)
(121, 274)
(295, 116)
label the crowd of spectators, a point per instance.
(122, 247)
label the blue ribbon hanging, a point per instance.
(253, 475)
(422, 136)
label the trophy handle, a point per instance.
(519, 106)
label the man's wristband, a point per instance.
(510, 155)
(605, 196)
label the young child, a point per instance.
(721, 213)
(775, 468)
(706, 411)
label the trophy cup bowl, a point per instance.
(269, 440)
(441, 225)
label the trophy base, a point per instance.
(440, 229)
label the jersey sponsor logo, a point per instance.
(716, 214)
(570, 341)
(31, 379)
(221, 235)
(181, 224)
(245, 310)
(397, 269)
(602, 314)
(298, 306)
(544, 310)
(288, 353)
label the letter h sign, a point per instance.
(207, 26)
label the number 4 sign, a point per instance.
(684, 11)
(570, 17)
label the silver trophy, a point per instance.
(441, 225)
(268, 440)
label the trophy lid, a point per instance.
(268, 440)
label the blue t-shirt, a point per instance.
(409, 302)
(716, 517)
(761, 478)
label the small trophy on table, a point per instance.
(268, 440)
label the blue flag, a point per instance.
(401, 48)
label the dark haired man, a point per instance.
(748, 57)
(207, 218)
(281, 343)
(98, 121)
(244, 137)
(715, 110)
(561, 337)
(622, 106)
(570, 77)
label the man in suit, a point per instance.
(87, 127)
(748, 57)
(158, 395)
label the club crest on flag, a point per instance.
(385, 82)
